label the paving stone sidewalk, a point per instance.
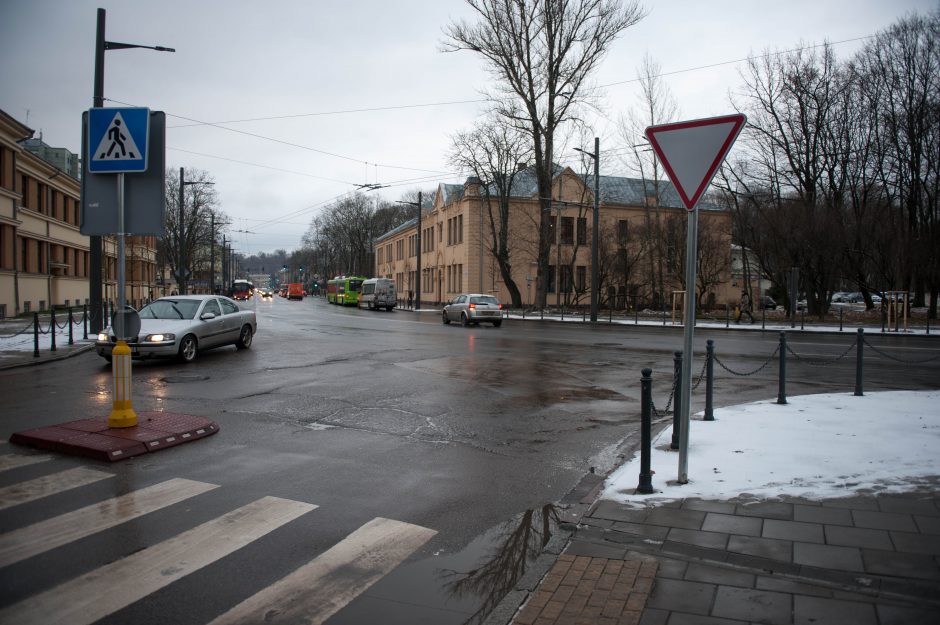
(866, 560)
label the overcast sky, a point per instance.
(306, 66)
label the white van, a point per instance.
(378, 293)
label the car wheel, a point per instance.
(108, 358)
(188, 348)
(244, 339)
(446, 320)
(496, 324)
(464, 320)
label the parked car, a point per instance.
(378, 293)
(183, 325)
(473, 308)
(766, 302)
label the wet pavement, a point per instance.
(867, 560)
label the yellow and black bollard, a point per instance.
(122, 410)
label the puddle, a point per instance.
(179, 379)
(459, 588)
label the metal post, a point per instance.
(763, 317)
(94, 241)
(52, 327)
(676, 399)
(782, 382)
(71, 321)
(859, 377)
(594, 269)
(418, 274)
(803, 319)
(35, 335)
(727, 315)
(181, 256)
(709, 379)
(85, 321)
(212, 254)
(646, 439)
(691, 254)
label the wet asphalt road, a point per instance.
(375, 414)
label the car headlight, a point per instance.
(159, 338)
(102, 337)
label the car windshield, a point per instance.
(170, 309)
(484, 299)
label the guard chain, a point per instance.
(701, 376)
(901, 360)
(28, 328)
(749, 373)
(665, 411)
(821, 363)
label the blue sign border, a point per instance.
(137, 120)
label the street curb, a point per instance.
(43, 358)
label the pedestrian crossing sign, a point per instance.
(117, 140)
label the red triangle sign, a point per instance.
(692, 151)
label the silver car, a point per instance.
(473, 308)
(181, 326)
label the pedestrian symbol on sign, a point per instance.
(116, 144)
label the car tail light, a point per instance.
(473, 306)
(500, 306)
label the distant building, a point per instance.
(60, 158)
(457, 238)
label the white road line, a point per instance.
(47, 485)
(112, 587)
(55, 532)
(15, 461)
(319, 589)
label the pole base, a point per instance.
(122, 415)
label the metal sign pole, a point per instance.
(119, 318)
(691, 251)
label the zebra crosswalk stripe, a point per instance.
(47, 485)
(112, 587)
(15, 461)
(40, 537)
(316, 591)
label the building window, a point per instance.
(566, 278)
(582, 278)
(551, 279)
(459, 228)
(567, 230)
(623, 231)
(582, 230)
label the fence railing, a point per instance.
(73, 319)
(780, 354)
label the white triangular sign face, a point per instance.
(692, 151)
(117, 144)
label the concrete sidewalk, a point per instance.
(866, 560)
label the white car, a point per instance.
(183, 325)
(472, 308)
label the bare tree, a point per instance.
(200, 204)
(492, 151)
(542, 53)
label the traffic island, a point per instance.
(93, 438)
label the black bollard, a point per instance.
(71, 321)
(645, 486)
(85, 321)
(841, 310)
(727, 316)
(782, 384)
(859, 377)
(709, 379)
(676, 394)
(52, 327)
(35, 335)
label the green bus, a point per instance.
(344, 290)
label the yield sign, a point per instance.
(692, 151)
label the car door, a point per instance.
(232, 320)
(211, 331)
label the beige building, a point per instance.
(44, 259)
(455, 258)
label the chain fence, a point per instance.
(820, 363)
(748, 373)
(901, 360)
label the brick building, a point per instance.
(456, 258)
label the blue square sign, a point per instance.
(117, 140)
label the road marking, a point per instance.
(40, 537)
(46, 485)
(15, 461)
(112, 587)
(319, 589)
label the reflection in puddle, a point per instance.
(517, 543)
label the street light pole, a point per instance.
(596, 155)
(94, 242)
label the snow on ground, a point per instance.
(815, 446)
(19, 336)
